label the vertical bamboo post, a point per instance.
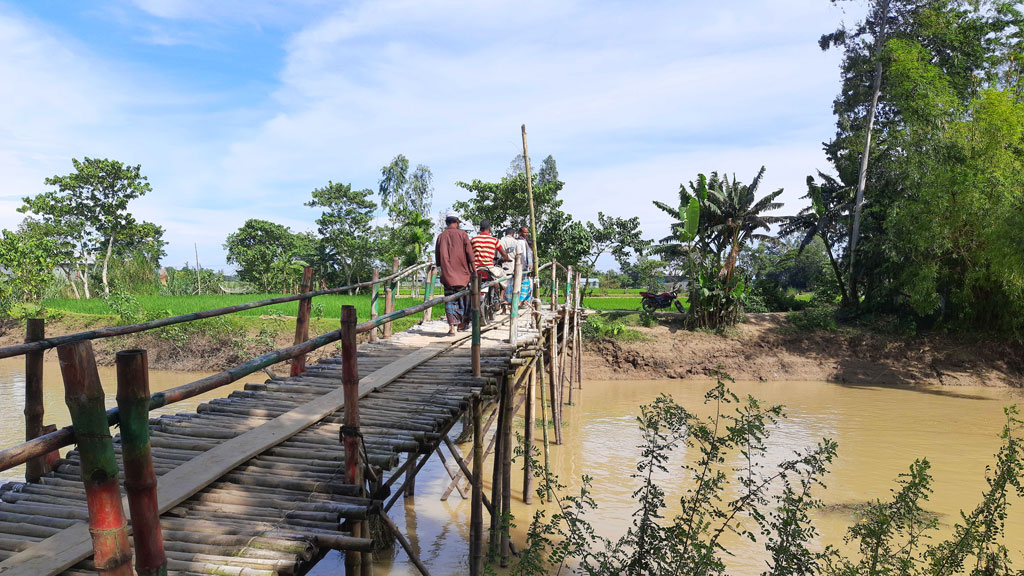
(556, 389)
(539, 383)
(578, 330)
(517, 289)
(506, 468)
(84, 397)
(410, 481)
(139, 478)
(34, 410)
(350, 426)
(497, 470)
(554, 284)
(562, 380)
(476, 517)
(530, 417)
(389, 298)
(302, 320)
(475, 302)
(428, 293)
(374, 296)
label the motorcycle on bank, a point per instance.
(651, 301)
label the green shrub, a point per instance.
(814, 319)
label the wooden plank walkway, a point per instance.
(277, 508)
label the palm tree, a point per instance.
(735, 216)
(825, 218)
(416, 231)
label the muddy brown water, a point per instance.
(880, 431)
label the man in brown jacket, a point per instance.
(454, 256)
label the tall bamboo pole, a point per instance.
(564, 351)
(139, 477)
(350, 428)
(476, 518)
(506, 468)
(531, 390)
(497, 470)
(554, 284)
(98, 464)
(533, 225)
(34, 410)
(556, 389)
(543, 401)
(302, 321)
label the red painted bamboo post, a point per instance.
(428, 293)
(34, 411)
(374, 296)
(476, 518)
(84, 397)
(474, 297)
(389, 297)
(139, 478)
(302, 320)
(350, 426)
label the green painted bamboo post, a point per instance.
(139, 477)
(374, 295)
(475, 300)
(517, 288)
(428, 293)
(84, 397)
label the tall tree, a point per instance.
(620, 236)
(402, 191)
(256, 246)
(344, 225)
(91, 205)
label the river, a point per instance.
(880, 431)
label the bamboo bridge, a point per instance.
(270, 478)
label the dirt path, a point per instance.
(766, 347)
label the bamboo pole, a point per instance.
(84, 397)
(139, 478)
(410, 482)
(577, 347)
(349, 431)
(543, 401)
(562, 357)
(302, 321)
(34, 410)
(476, 518)
(389, 298)
(428, 293)
(556, 389)
(475, 301)
(531, 391)
(506, 470)
(554, 284)
(517, 289)
(405, 545)
(497, 471)
(48, 343)
(375, 295)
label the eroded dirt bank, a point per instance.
(766, 347)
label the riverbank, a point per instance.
(768, 347)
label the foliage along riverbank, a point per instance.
(772, 347)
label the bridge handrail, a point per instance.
(42, 445)
(45, 344)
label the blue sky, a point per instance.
(238, 110)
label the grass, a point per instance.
(621, 303)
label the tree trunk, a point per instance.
(863, 174)
(71, 280)
(106, 261)
(835, 268)
(85, 281)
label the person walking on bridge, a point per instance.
(454, 255)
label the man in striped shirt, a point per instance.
(485, 247)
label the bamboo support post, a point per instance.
(302, 321)
(349, 431)
(543, 401)
(476, 526)
(139, 478)
(410, 481)
(506, 469)
(405, 544)
(556, 389)
(374, 295)
(34, 410)
(84, 397)
(554, 284)
(528, 426)
(577, 340)
(389, 298)
(474, 296)
(562, 359)
(517, 289)
(428, 293)
(497, 471)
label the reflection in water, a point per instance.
(880, 431)
(12, 391)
